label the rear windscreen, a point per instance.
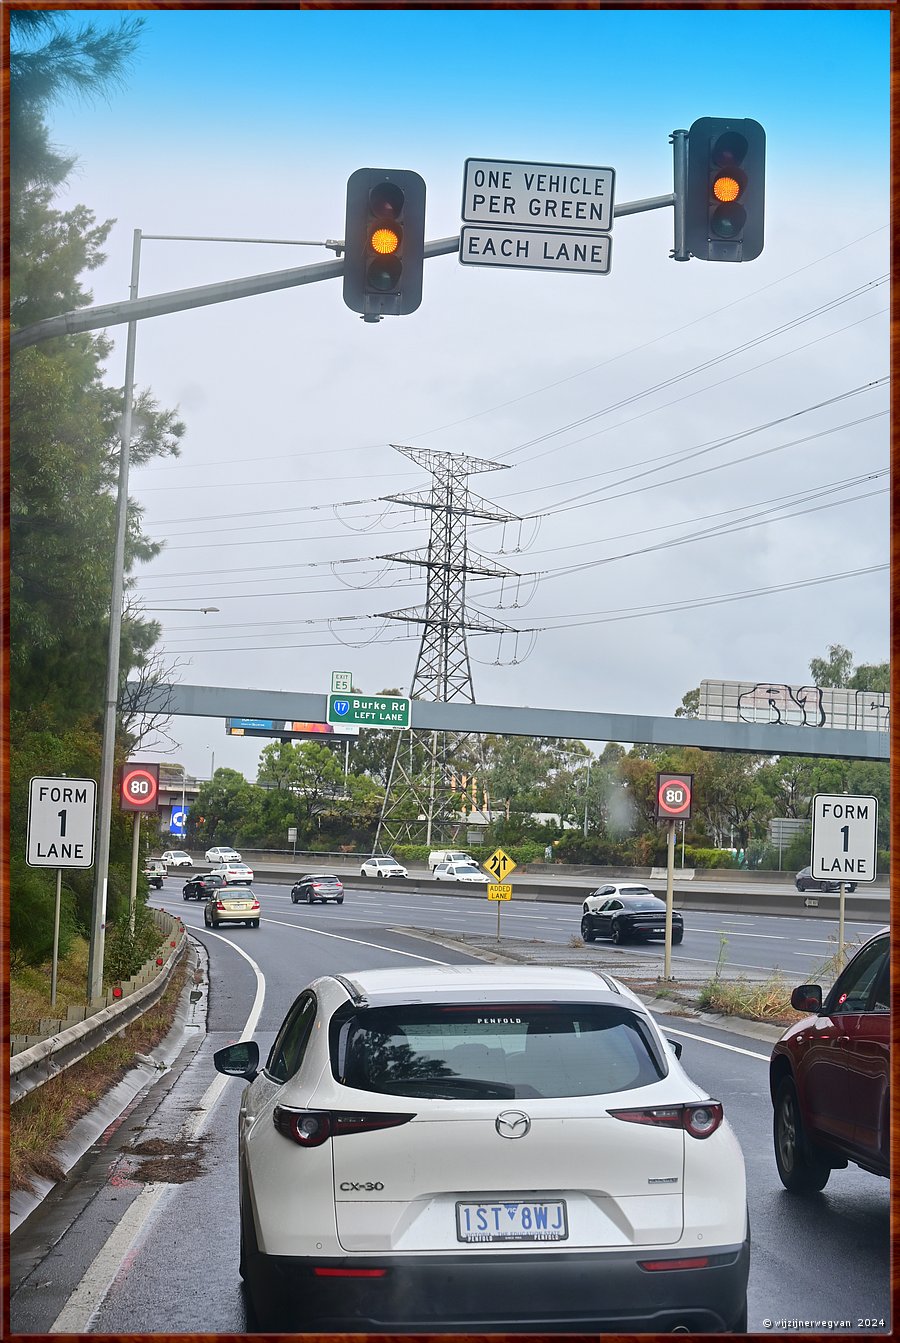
(477, 1052)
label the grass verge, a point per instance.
(40, 1121)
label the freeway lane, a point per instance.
(754, 945)
(131, 1245)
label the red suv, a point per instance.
(829, 1075)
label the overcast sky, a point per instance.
(631, 411)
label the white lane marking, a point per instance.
(84, 1303)
(358, 941)
(86, 1300)
(194, 1127)
(716, 1044)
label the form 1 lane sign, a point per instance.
(61, 815)
(844, 837)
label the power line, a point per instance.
(706, 364)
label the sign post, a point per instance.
(138, 792)
(844, 844)
(674, 795)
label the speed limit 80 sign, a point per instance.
(674, 794)
(139, 787)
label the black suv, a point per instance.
(201, 888)
(805, 881)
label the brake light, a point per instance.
(220, 904)
(349, 1272)
(255, 905)
(699, 1120)
(311, 1128)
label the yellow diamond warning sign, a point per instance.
(499, 865)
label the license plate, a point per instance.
(511, 1219)
(239, 904)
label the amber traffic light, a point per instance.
(384, 242)
(725, 198)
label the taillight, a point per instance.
(220, 904)
(699, 1120)
(310, 1128)
(255, 905)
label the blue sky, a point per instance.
(247, 123)
(421, 73)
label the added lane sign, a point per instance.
(392, 711)
(538, 195)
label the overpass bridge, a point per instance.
(507, 720)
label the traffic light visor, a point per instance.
(386, 199)
(729, 149)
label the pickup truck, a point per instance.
(449, 856)
(155, 872)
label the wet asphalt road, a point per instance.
(110, 1252)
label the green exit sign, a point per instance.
(369, 710)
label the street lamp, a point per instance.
(108, 741)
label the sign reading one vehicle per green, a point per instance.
(369, 710)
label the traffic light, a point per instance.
(384, 242)
(726, 181)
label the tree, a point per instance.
(64, 440)
(833, 671)
(222, 803)
(277, 765)
(690, 705)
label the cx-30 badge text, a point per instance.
(512, 1124)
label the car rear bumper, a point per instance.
(578, 1292)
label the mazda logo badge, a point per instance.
(512, 1124)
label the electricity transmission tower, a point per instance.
(421, 801)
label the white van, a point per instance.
(449, 856)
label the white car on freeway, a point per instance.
(234, 874)
(223, 855)
(460, 872)
(433, 1148)
(382, 866)
(177, 858)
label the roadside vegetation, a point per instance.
(40, 1122)
(769, 999)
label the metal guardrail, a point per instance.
(37, 1063)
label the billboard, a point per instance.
(797, 705)
(286, 729)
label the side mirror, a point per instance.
(807, 998)
(676, 1047)
(239, 1060)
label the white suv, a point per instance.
(382, 867)
(430, 1149)
(177, 858)
(460, 872)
